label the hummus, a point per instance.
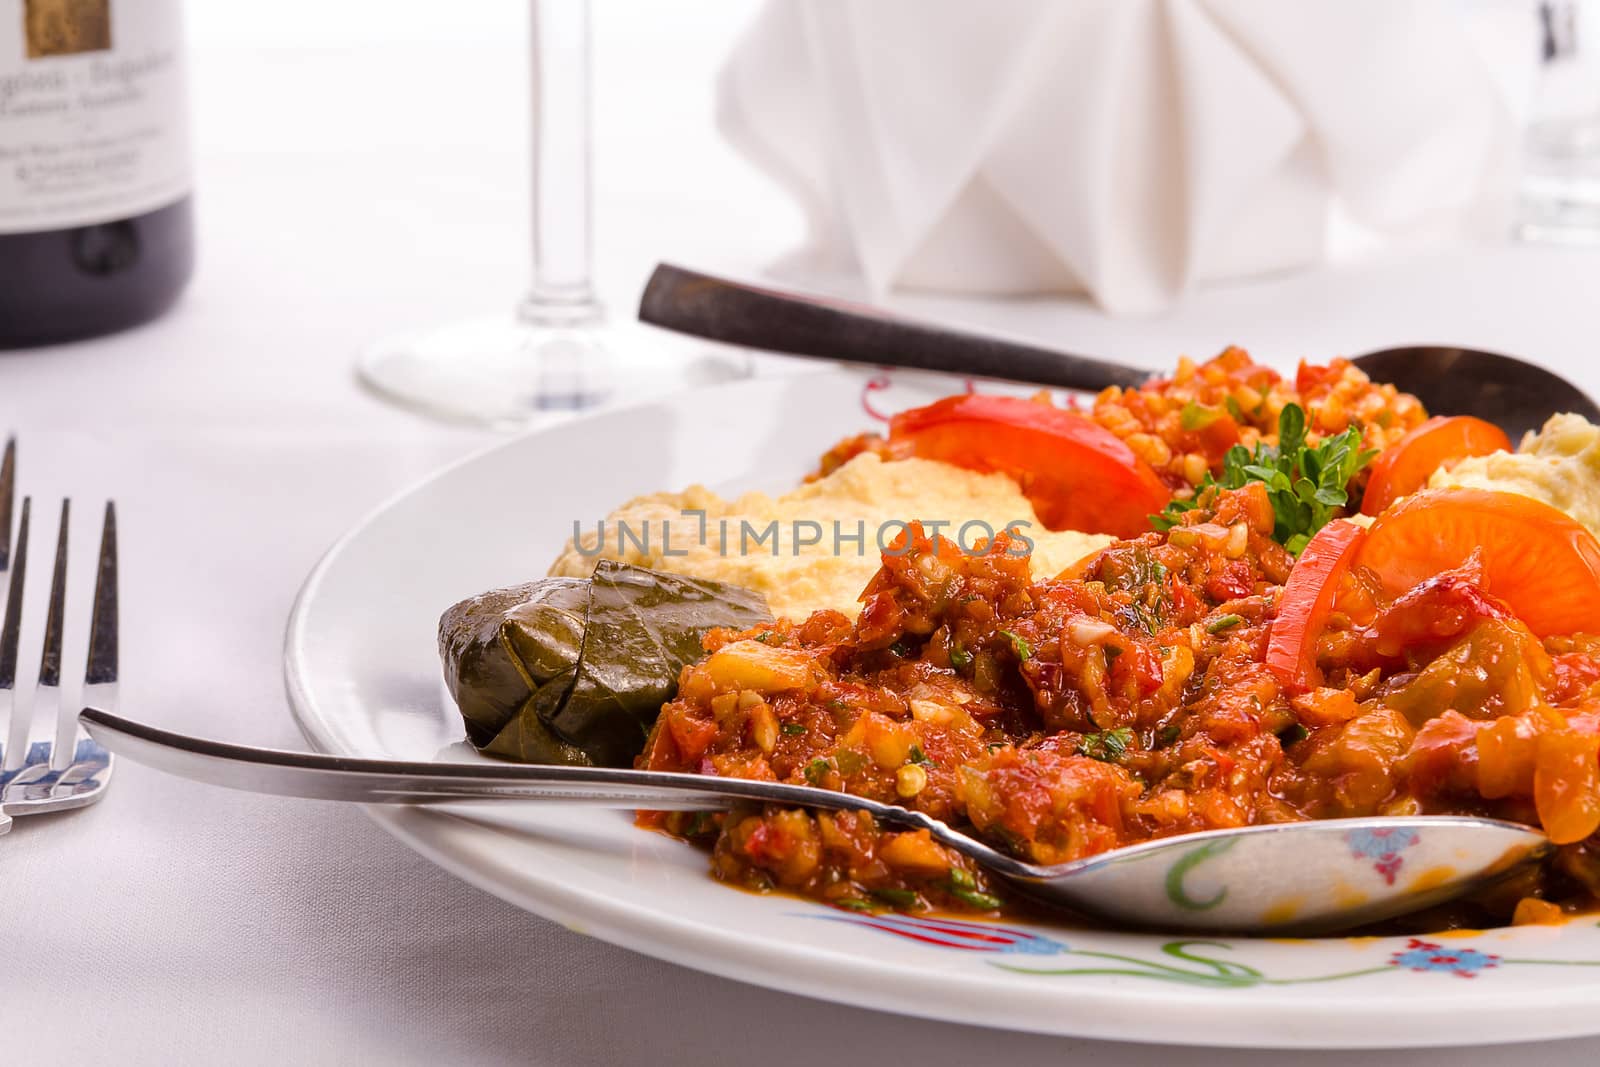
(1559, 465)
(817, 546)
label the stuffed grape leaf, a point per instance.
(575, 670)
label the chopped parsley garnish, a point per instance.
(900, 898)
(1148, 617)
(1195, 417)
(793, 728)
(1133, 568)
(1168, 734)
(1222, 623)
(964, 887)
(849, 762)
(916, 755)
(703, 822)
(1292, 734)
(1107, 746)
(817, 770)
(1305, 484)
(1018, 645)
(959, 657)
(1144, 578)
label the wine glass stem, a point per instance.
(562, 293)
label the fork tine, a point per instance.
(11, 629)
(50, 660)
(10, 634)
(48, 693)
(8, 491)
(100, 674)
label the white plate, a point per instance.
(363, 678)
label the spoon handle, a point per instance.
(700, 305)
(319, 776)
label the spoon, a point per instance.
(1297, 877)
(1515, 395)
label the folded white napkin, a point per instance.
(1128, 148)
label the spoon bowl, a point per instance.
(1299, 877)
(1515, 395)
(1286, 878)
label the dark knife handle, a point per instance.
(700, 305)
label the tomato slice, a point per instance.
(1405, 466)
(1306, 602)
(1078, 475)
(1540, 562)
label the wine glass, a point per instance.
(556, 350)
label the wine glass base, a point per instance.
(498, 371)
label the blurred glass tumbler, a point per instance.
(1560, 195)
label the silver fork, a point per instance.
(50, 764)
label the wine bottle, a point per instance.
(96, 233)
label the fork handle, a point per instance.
(319, 776)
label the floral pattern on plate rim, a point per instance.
(1197, 962)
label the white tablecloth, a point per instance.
(360, 176)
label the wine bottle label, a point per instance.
(93, 116)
